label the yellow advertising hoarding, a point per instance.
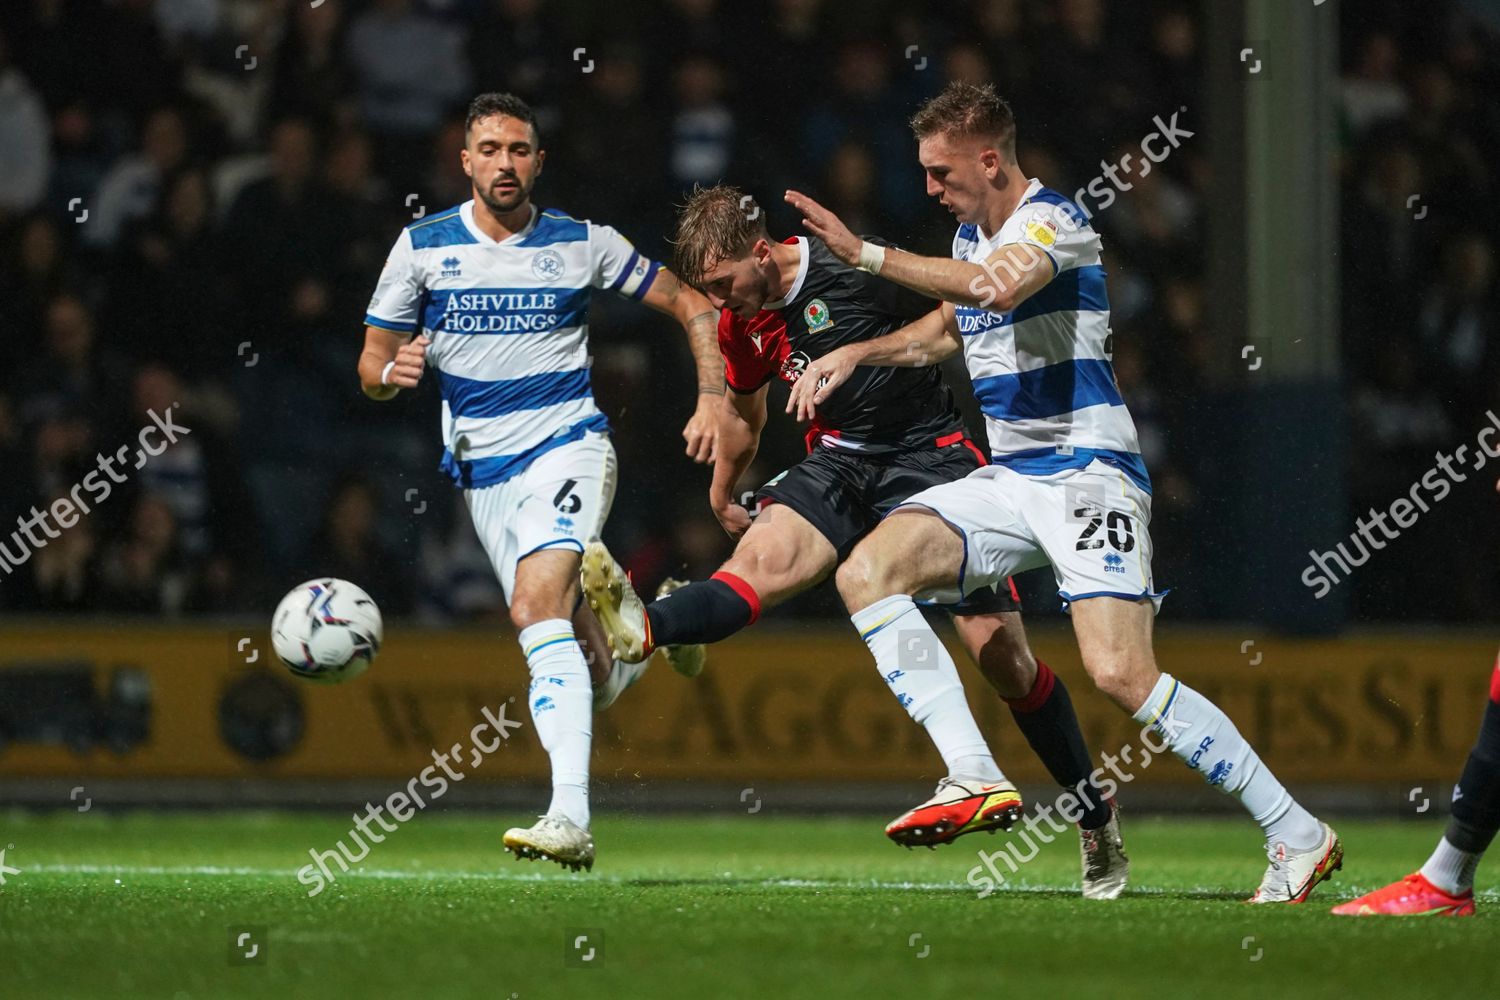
(796, 704)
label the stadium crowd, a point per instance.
(207, 237)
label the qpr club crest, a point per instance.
(547, 265)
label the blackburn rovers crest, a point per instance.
(816, 316)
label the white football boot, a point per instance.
(686, 660)
(1291, 876)
(621, 676)
(623, 617)
(552, 838)
(1106, 869)
(615, 603)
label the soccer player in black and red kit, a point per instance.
(1444, 886)
(883, 436)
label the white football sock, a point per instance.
(562, 709)
(1208, 742)
(920, 672)
(1450, 869)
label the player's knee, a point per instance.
(768, 568)
(1122, 679)
(528, 607)
(864, 578)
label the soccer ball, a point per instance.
(326, 630)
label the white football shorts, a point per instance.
(1089, 524)
(561, 499)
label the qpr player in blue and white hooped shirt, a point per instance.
(494, 294)
(1024, 300)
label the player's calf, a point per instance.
(1114, 635)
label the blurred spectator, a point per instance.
(1154, 212)
(967, 63)
(1174, 67)
(64, 573)
(458, 582)
(279, 238)
(863, 103)
(348, 547)
(171, 258)
(409, 68)
(143, 572)
(515, 45)
(130, 189)
(25, 146)
(446, 184)
(1372, 93)
(311, 78)
(34, 273)
(611, 149)
(72, 373)
(850, 185)
(1457, 328)
(702, 130)
(232, 208)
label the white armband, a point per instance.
(871, 257)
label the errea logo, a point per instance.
(451, 267)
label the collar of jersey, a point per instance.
(466, 213)
(796, 288)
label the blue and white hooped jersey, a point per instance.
(509, 329)
(1042, 372)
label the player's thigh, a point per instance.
(944, 543)
(997, 643)
(551, 510)
(910, 552)
(493, 511)
(782, 554)
(826, 489)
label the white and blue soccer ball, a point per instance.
(327, 630)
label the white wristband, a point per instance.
(385, 373)
(871, 257)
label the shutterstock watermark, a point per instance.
(1056, 220)
(1437, 481)
(1069, 805)
(65, 511)
(403, 805)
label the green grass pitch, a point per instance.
(150, 905)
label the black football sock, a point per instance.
(705, 611)
(1476, 802)
(1047, 720)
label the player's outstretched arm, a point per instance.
(1011, 275)
(700, 322)
(925, 341)
(741, 416)
(391, 362)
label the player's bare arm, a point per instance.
(1008, 277)
(741, 418)
(391, 362)
(700, 322)
(926, 341)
